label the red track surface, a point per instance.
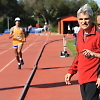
(48, 83)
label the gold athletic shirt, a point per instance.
(18, 36)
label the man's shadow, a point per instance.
(51, 85)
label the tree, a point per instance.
(93, 5)
(11, 9)
(50, 10)
(47, 9)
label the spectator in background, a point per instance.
(68, 29)
(87, 61)
(29, 28)
(45, 28)
(76, 30)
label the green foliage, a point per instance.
(1, 26)
(93, 5)
(9, 7)
(46, 10)
(50, 10)
(54, 29)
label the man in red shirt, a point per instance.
(87, 61)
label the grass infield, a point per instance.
(70, 45)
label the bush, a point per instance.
(54, 29)
(1, 27)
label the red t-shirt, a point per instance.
(87, 67)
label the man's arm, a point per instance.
(71, 71)
(11, 33)
(24, 35)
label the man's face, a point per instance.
(98, 21)
(17, 23)
(85, 21)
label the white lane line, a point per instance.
(5, 51)
(11, 47)
(7, 65)
(15, 58)
(31, 44)
(3, 45)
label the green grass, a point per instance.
(71, 47)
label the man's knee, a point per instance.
(19, 52)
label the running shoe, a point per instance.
(67, 55)
(19, 66)
(62, 54)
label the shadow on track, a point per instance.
(51, 85)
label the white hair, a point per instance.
(86, 9)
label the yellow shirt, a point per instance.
(18, 36)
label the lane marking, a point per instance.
(15, 58)
(11, 47)
(5, 51)
(7, 65)
(3, 45)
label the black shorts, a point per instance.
(89, 91)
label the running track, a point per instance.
(48, 82)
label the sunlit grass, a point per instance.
(70, 44)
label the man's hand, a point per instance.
(10, 36)
(98, 83)
(68, 78)
(88, 53)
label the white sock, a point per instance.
(18, 63)
(20, 58)
(64, 48)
